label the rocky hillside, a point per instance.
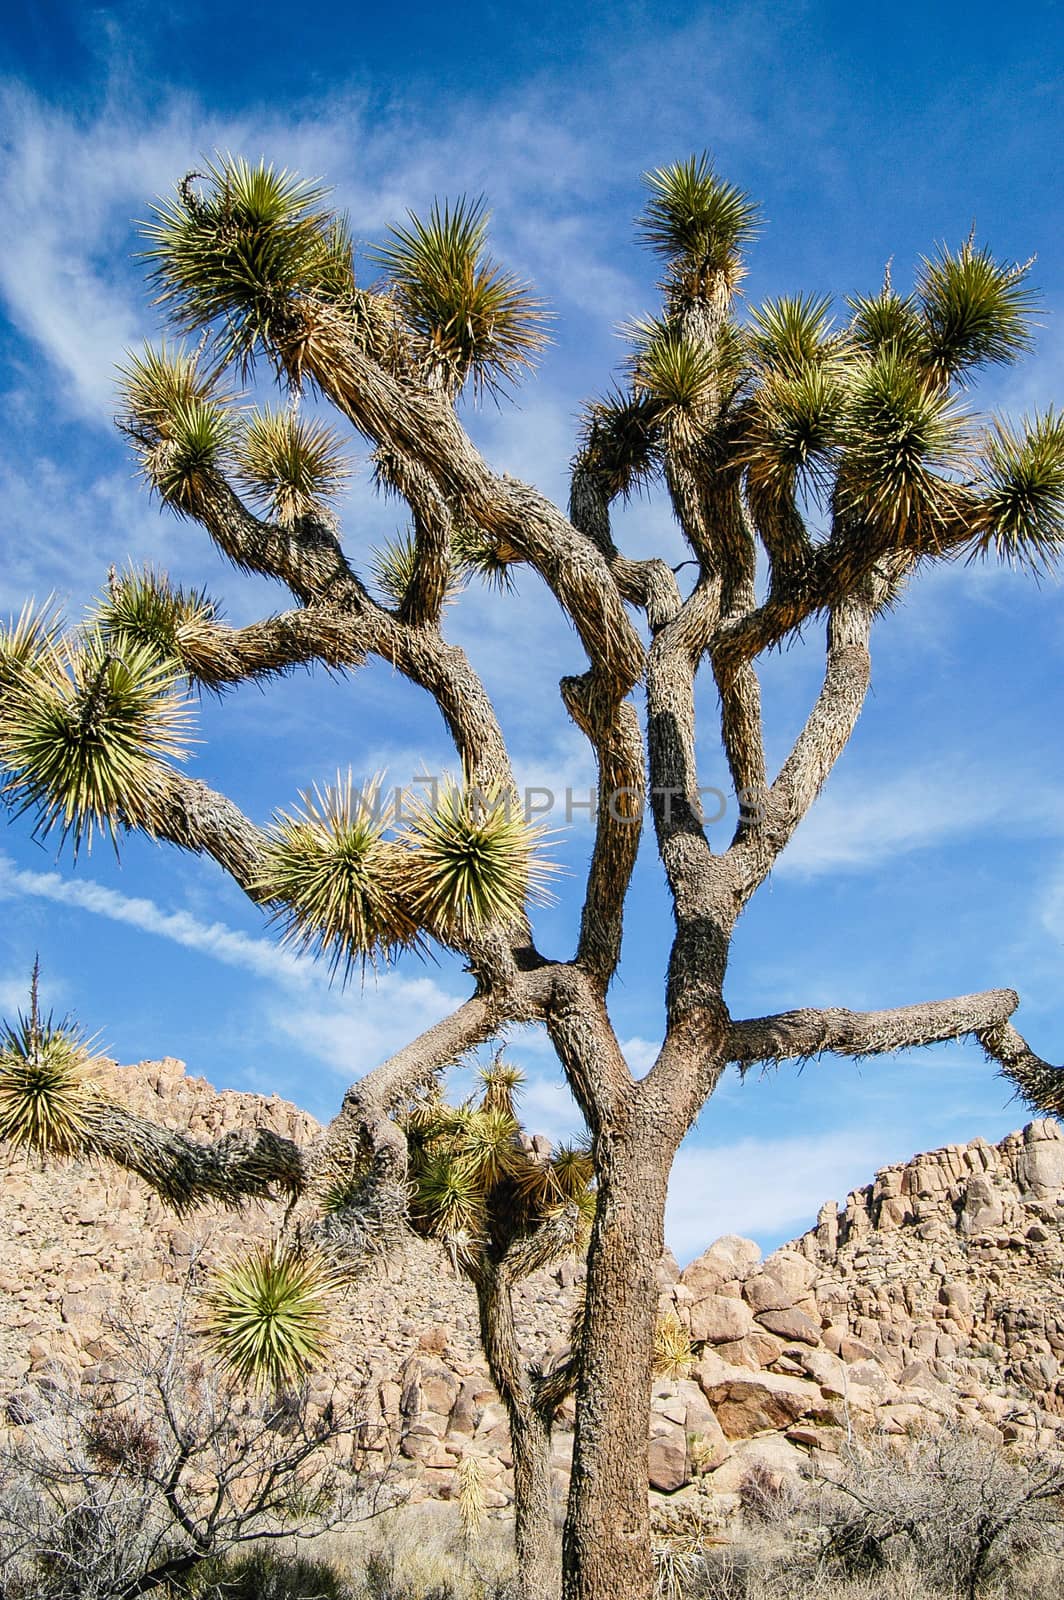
(936, 1289)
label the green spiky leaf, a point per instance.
(620, 438)
(238, 247)
(477, 554)
(291, 463)
(673, 1353)
(26, 641)
(679, 376)
(1023, 473)
(975, 311)
(181, 428)
(793, 425)
(336, 883)
(269, 1315)
(394, 565)
(502, 1086)
(47, 1089)
(490, 1145)
(158, 381)
(886, 322)
(698, 223)
(448, 1199)
(479, 321)
(902, 437)
(143, 608)
(574, 1169)
(85, 732)
(793, 333)
(474, 863)
(196, 445)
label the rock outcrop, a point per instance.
(936, 1290)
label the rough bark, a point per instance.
(530, 1434)
(607, 1531)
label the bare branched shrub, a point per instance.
(964, 1509)
(115, 1487)
(767, 1496)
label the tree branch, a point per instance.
(214, 655)
(1037, 1082)
(186, 1173)
(187, 813)
(805, 1034)
(421, 427)
(617, 740)
(307, 557)
(764, 832)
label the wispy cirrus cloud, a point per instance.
(861, 822)
(214, 939)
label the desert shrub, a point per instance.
(767, 1496)
(124, 1485)
(964, 1509)
(438, 1574)
(268, 1575)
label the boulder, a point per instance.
(719, 1319)
(790, 1323)
(763, 1404)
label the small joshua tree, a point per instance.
(502, 1210)
(812, 464)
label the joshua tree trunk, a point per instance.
(534, 1530)
(530, 1435)
(607, 1544)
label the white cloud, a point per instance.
(14, 994)
(640, 1054)
(350, 1032)
(352, 1036)
(213, 939)
(858, 823)
(763, 1188)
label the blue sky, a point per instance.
(934, 863)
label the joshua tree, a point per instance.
(811, 466)
(503, 1209)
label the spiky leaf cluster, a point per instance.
(887, 322)
(793, 424)
(473, 862)
(1023, 503)
(790, 335)
(477, 1183)
(142, 608)
(901, 438)
(47, 1088)
(678, 375)
(238, 247)
(394, 566)
(673, 1354)
(338, 885)
(292, 464)
(974, 311)
(479, 321)
(697, 223)
(182, 429)
(620, 440)
(86, 730)
(477, 554)
(269, 1315)
(26, 641)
